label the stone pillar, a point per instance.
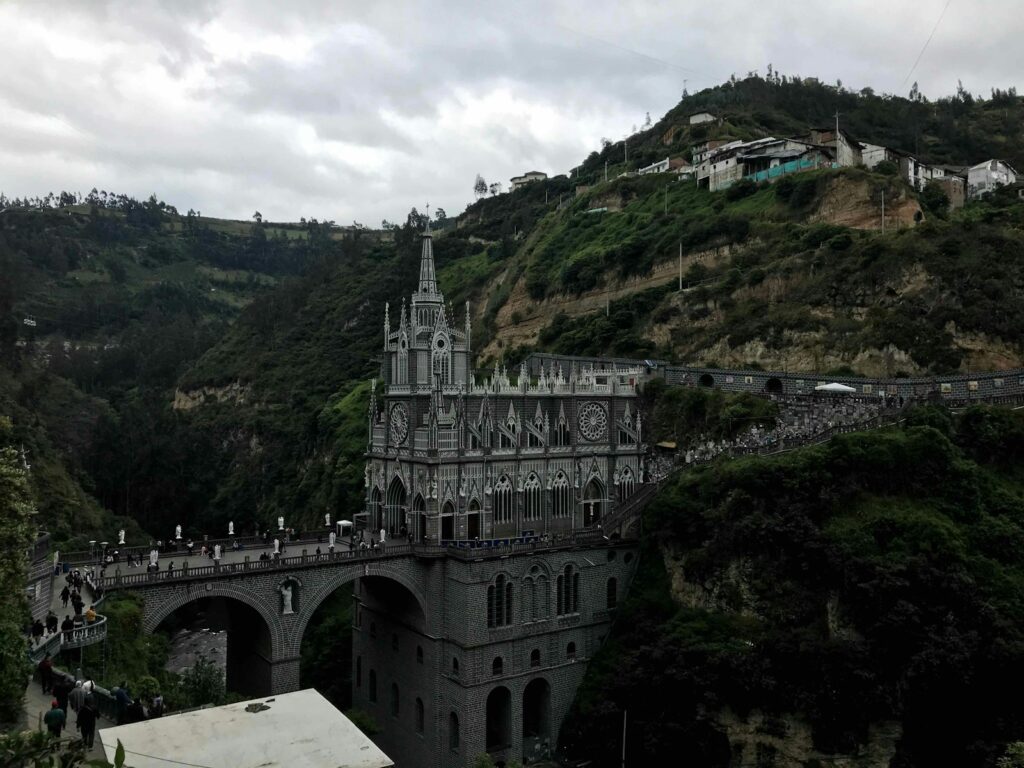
(284, 675)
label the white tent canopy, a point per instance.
(834, 386)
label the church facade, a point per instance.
(455, 457)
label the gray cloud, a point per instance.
(359, 110)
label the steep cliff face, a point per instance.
(857, 204)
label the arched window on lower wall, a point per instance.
(453, 732)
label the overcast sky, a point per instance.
(350, 110)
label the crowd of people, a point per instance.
(799, 421)
(41, 629)
(79, 697)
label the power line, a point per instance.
(926, 42)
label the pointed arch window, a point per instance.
(627, 484)
(561, 496)
(562, 431)
(499, 602)
(532, 498)
(568, 591)
(503, 500)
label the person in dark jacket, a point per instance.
(46, 673)
(87, 717)
(55, 719)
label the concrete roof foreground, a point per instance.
(300, 728)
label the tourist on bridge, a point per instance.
(90, 615)
(46, 673)
(77, 697)
(170, 568)
(37, 633)
(190, 546)
(86, 722)
(122, 699)
(65, 595)
(62, 687)
(55, 719)
(66, 626)
(51, 622)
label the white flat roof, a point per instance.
(300, 728)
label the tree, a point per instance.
(257, 217)
(647, 121)
(495, 188)
(915, 92)
(440, 215)
(934, 200)
(479, 187)
(16, 532)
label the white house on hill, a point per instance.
(985, 177)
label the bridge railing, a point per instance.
(173, 547)
(494, 548)
(62, 640)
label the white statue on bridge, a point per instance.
(286, 598)
(154, 555)
(280, 523)
(231, 528)
(331, 537)
(383, 535)
(277, 546)
(177, 532)
(216, 553)
(120, 536)
(327, 519)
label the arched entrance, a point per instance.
(448, 521)
(593, 502)
(419, 515)
(706, 380)
(536, 718)
(395, 512)
(773, 386)
(473, 520)
(499, 719)
(231, 634)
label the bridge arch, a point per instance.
(706, 380)
(773, 386)
(255, 636)
(315, 596)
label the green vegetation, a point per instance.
(16, 533)
(873, 578)
(327, 651)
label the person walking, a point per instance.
(87, 722)
(77, 697)
(51, 622)
(55, 719)
(37, 631)
(123, 700)
(62, 687)
(66, 626)
(65, 595)
(46, 673)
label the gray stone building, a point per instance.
(454, 458)
(473, 464)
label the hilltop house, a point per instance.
(761, 160)
(664, 166)
(847, 150)
(518, 181)
(985, 177)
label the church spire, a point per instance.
(428, 282)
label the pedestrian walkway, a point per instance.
(37, 704)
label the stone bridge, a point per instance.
(457, 650)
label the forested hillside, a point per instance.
(856, 603)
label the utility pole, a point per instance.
(666, 199)
(680, 265)
(625, 145)
(624, 738)
(883, 210)
(606, 170)
(607, 306)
